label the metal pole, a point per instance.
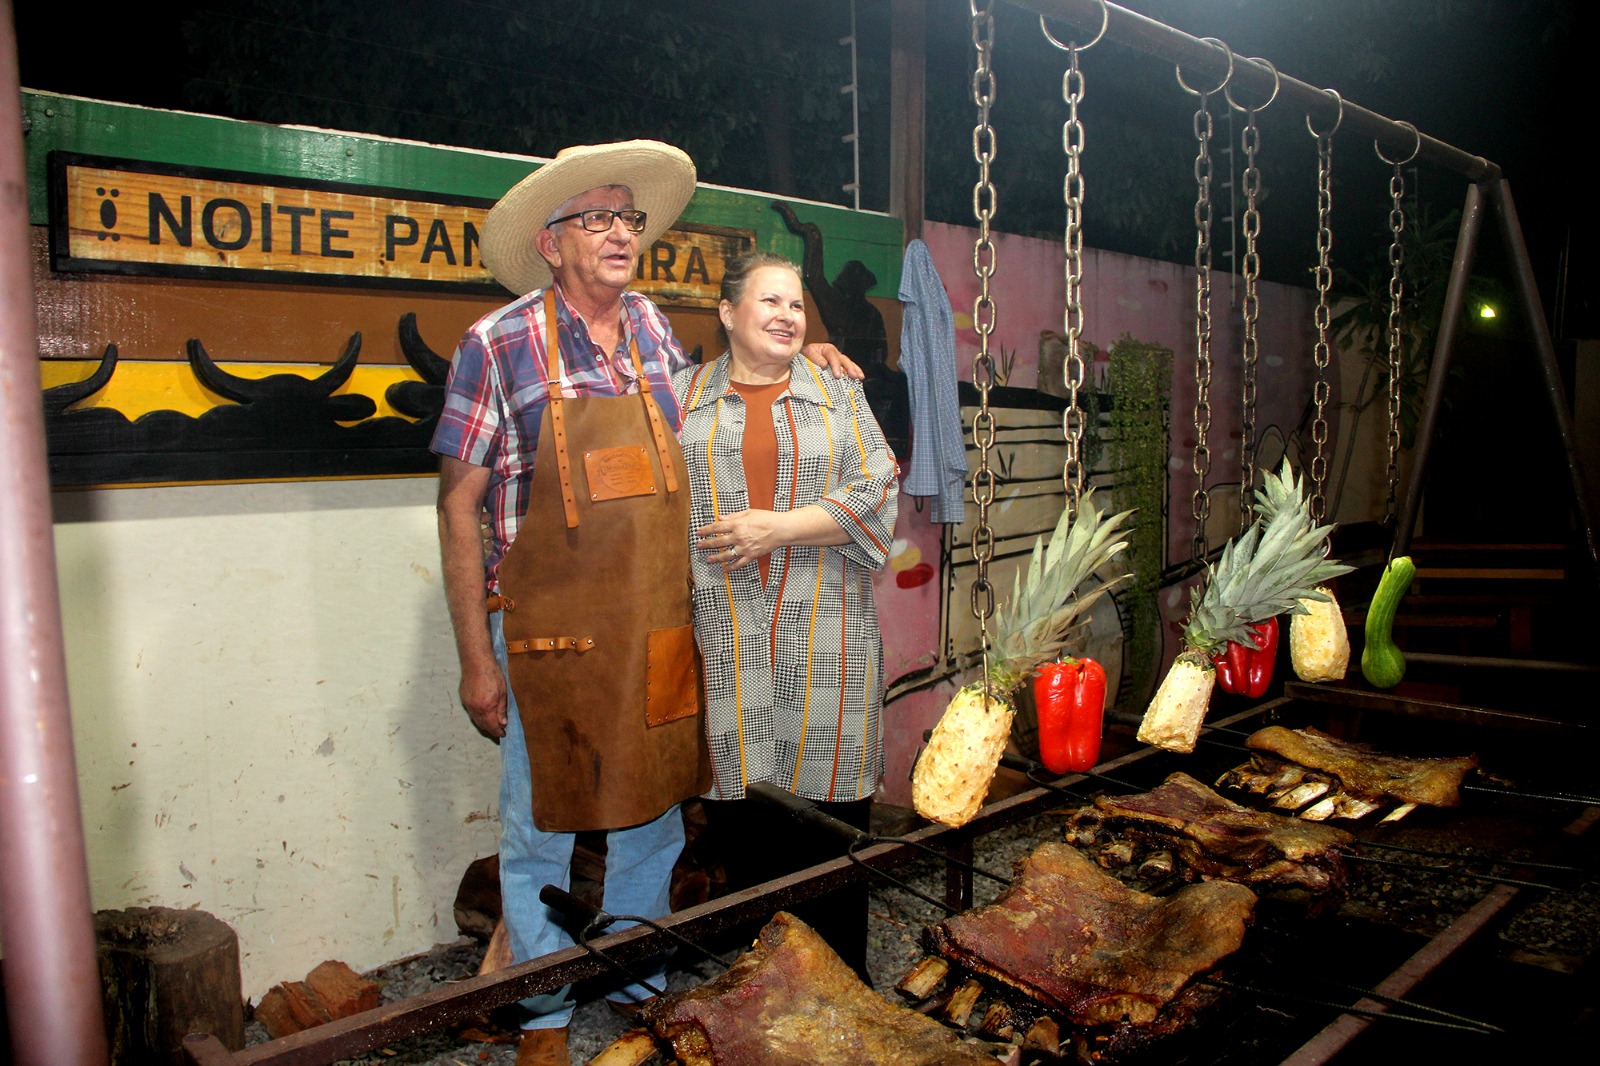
(52, 982)
(1207, 62)
(1528, 289)
(1444, 346)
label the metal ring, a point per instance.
(1277, 83)
(1225, 78)
(1415, 148)
(1105, 21)
(1336, 122)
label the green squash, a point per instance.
(1382, 663)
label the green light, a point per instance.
(1485, 311)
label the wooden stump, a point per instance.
(166, 973)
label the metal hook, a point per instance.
(1105, 21)
(1415, 147)
(1277, 83)
(1225, 78)
(1336, 122)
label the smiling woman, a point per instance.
(765, 321)
(787, 471)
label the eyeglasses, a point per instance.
(598, 219)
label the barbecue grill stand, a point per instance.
(806, 813)
(596, 921)
(442, 1007)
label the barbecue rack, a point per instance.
(1019, 1032)
(979, 1007)
(1540, 753)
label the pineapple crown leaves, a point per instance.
(1046, 607)
(1266, 571)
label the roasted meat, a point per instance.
(790, 1001)
(1220, 840)
(1078, 941)
(1365, 772)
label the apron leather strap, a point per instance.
(558, 424)
(658, 428)
(532, 644)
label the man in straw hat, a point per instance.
(582, 660)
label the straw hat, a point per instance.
(661, 177)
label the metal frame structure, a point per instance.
(1162, 41)
(53, 978)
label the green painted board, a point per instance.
(95, 127)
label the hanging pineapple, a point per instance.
(1272, 567)
(1319, 643)
(953, 773)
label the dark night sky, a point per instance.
(1492, 78)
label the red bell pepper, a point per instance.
(1070, 698)
(1248, 671)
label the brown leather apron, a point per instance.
(600, 631)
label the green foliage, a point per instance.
(1428, 247)
(537, 78)
(1138, 383)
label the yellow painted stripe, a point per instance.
(138, 387)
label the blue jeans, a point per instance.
(639, 864)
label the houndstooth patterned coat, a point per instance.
(793, 669)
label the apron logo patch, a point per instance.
(616, 473)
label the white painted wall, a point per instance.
(263, 695)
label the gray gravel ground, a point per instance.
(894, 929)
(1560, 930)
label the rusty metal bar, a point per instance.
(1432, 710)
(1489, 662)
(52, 981)
(433, 1010)
(1336, 1037)
(1528, 290)
(1455, 301)
(1197, 57)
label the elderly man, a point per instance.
(573, 623)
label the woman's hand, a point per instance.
(741, 537)
(745, 536)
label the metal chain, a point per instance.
(1200, 503)
(983, 321)
(1073, 418)
(1251, 311)
(1322, 350)
(1397, 257)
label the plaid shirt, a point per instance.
(793, 669)
(497, 392)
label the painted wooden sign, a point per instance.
(130, 217)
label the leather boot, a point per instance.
(543, 1047)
